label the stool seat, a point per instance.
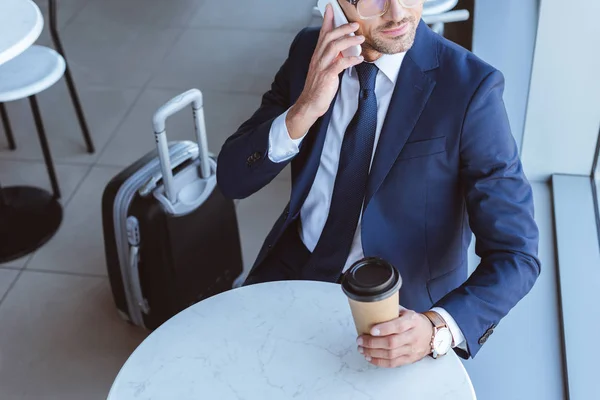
(33, 71)
(30, 216)
(434, 7)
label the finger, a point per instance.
(335, 34)
(397, 362)
(343, 63)
(406, 350)
(385, 342)
(337, 46)
(406, 321)
(343, 30)
(334, 49)
(328, 21)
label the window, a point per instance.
(596, 185)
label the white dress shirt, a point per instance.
(315, 209)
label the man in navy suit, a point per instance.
(399, 153)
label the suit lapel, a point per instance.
(410, 96)
(412, 91)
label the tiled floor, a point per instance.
(60, 335)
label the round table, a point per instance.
(21, 23)
(281, 340)
(30, 216)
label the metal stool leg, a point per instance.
(3, 201)
(44, 143)
(69, 78)
(7, 128)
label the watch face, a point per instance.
(442, 343)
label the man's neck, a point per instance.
(371, 55)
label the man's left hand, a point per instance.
(404, 340)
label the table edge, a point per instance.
(114, 386)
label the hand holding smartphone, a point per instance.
(339, 20)
(329, 60)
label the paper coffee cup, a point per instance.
(372, 286)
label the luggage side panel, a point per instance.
(108, 227)
(114, 267)
(188, 258)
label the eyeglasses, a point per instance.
(368, 9)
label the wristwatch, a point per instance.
(441, 340)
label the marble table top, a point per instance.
(282, 340)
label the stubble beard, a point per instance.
(394, 45)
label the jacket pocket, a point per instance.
(423, 148)
(447, 282)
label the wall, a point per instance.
(563, 116)
(509, 50)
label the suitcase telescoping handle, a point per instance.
(176, 104)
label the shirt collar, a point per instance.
(389, 64)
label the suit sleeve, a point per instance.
(244, 166)
(499, 202)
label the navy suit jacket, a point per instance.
(446, 164)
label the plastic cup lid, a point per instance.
(371, 279)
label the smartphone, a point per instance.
(339, 20)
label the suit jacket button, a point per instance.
(486, 335)
(257, 156)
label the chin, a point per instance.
(396, 45)
(400, 45)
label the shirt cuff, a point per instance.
(281, 146)
(457, 335)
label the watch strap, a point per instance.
(436, 319)
(438, 323)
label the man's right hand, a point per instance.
(322, 81)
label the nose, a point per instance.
(395, 12)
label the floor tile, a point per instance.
(64, 3)
(225, 60)
(61, 338)
(289, 16)
(78, 246)
(34, 174)
(150, 13)
(7, 277)
(116, 54)
(224, 113)
(104, 109)
(66, 11)
(256, 216)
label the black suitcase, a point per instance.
(171, 238)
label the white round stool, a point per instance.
(30, 215)
(32, 72)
